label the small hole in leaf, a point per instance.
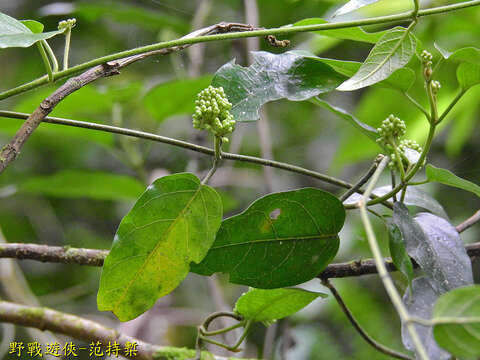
(275, 214)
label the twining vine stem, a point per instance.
(231, 36)
(382, 270)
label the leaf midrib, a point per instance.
(259, 241)
(165, 234)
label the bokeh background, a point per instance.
(59, 191)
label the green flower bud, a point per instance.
(67, 24)
(212, 112)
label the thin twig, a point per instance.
(469, 222)
(237, 35)
(87, 330)
(358, 327)
(92, 257)
(10, 151)
(363, 180)
(381, 268)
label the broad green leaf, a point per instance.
(172, 224)
(468, 75)
(353, 5)
(398, 252)
(367, 130)
(393, 51)
(445, 53)
(467, 54)
(84, 184)
(419, 299)
(462, 340)
(161, 104)
(436, 246)
(446, 177)
(282, 239)
(15, 34)
(353, 33)
(413, 197)
(290, 75)
(271, 305)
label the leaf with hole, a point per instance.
(271, 305)
(14, 33)
(462, 340)
(282, 239)
(172, 224)
(393, 51)
(436, 246)
(446, 177)
(291, 75)
(353, 5)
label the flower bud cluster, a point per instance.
(212, 112)
(435, 85)
(427, 64)
(392, 127)
(67, 24)
(402, 148)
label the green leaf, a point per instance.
(462, 340)
(467, 54)
(271, 305)
(393, 51)
(291, 75)
(367, 130)
(353, 5)
(419, 299)
(282, 239)
(15, 34)
(468, 75)
(446, 177)
(161, 104)
(436, 246)
(84, 184)
(172, 224)
(353, 33)
(34, 26)
(398, 252)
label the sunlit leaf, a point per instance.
(446, 177)
(171, 225)
(353, 5)
(84, 184)
(290, 75)
(15, 34)
(462, 340)
(393, 51)
(468, 75)
(270, 305)
(282, 239)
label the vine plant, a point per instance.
(282, 239)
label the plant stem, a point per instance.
(223, 330)
(66, 51)
(382, 270)
(46, 62)
(238, 35)
(416, 104)
(51, 54)
(451, 105)
(358, 327)
(446, 320)
(217, 156)
(362, 180)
